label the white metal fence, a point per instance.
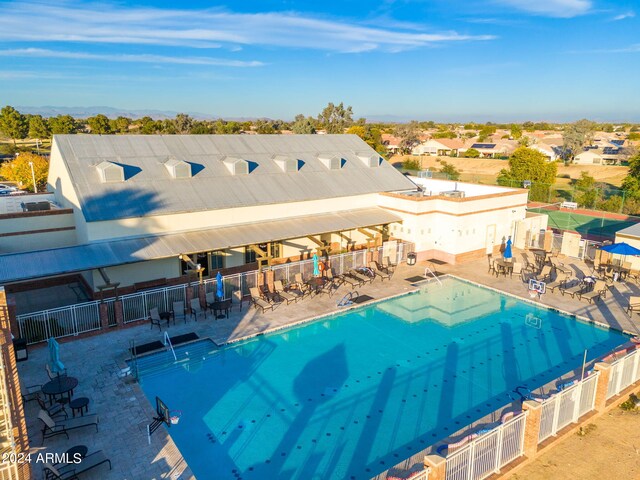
(567, 406)
(488, 453)
(85, 317)
(624, 372)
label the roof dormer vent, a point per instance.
(287, 164)
(370, 159)
(178, 168)
(332, 161)
(236, 166)
(110, 172)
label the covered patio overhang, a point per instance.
(18, 267)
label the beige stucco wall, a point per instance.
(32, 234)
(452, 226)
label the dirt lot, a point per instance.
(609, 450)
(485, 169)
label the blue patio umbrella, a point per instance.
(316, 270)
(220, 286)
(507, 250)
(54, 356)
(621, 248)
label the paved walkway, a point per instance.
(125, 412)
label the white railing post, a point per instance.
(472, 460)
(46, 323)
(576, 404)
(556, 414)
(500, 447)
(74, 320)
(619, 368)
(634, 375)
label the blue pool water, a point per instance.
(351, 395)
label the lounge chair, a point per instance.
(31, 392)
(360, 276)
(337, 281)
(598, 291)
(51, 427)
(634, 304)
(378, 272)
(579, 288)
(68, 471)
(258, 301)
(179, 311)
(545, 274)
(196, 308)
(154, 318)
(557, 283)
(388, 265)
(278, 288)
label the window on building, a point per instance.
(217, 260)
(251, 256)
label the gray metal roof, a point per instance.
(149, 189)
(58, 261)
(632, 231)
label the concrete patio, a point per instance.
(124, 411)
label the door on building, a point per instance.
(490, 238)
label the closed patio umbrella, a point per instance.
(508, 254)
(220, 286)
(54, 356)
(316, 270)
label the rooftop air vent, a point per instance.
(178, 168)
(332, 161)
(453, 194)
(236, 166)
(370, 159)
(287, 164)
(110, 172)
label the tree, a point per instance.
(120, 125)
(19, 170)
(13, 124)
(631, 183)
(575, 137)
(38, 127)
(528, 164)
(303, 126)
(472, 153)
(611, 204)
(183, 123)
(586, 191)
(265, 128)
(99, 124)
(371, 135)
(202, 128)
(335, 118)
(222, 127)
(411, 164)
(452, 172)
(634, 136)
(63, 124)
(485, 131)
(409, 135)
(445, 134)
(516, 131)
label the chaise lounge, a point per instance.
(68, 471)
(51, 427)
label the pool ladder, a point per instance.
(428, 271)
(167, 341)
(348, 299)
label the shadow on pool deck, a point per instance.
(124, 411)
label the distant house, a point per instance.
(588, 157)
(391, 143)
(439, 147)
(492, 150)
(551, 152)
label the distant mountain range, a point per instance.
(85, 112)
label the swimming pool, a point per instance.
(351, 395)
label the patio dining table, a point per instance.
(60, 386)
(503, 267)
(316, 283)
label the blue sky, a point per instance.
(498, 60)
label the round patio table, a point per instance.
(60, 386)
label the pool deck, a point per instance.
(124, 411)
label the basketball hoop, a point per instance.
(174, 416)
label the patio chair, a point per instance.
(30, 392)
(179, 311)
(68, 471)
(258, 301)
(51, 427)
(349, 280)
(529, 265)
(516, 269)
(388, 265)
(378, 272)
(302, 286)
(196, 308)
(154, 318)
(54, 410)
(492, 263)
(557, 283)
(574, 290)
(52, 375)
(598, 291)
(278, 288)
(209, 298)
(634, 304)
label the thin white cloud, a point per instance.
(205, 28)
(551, 8)
(623, 16)
(142, 58)
(635, 48)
